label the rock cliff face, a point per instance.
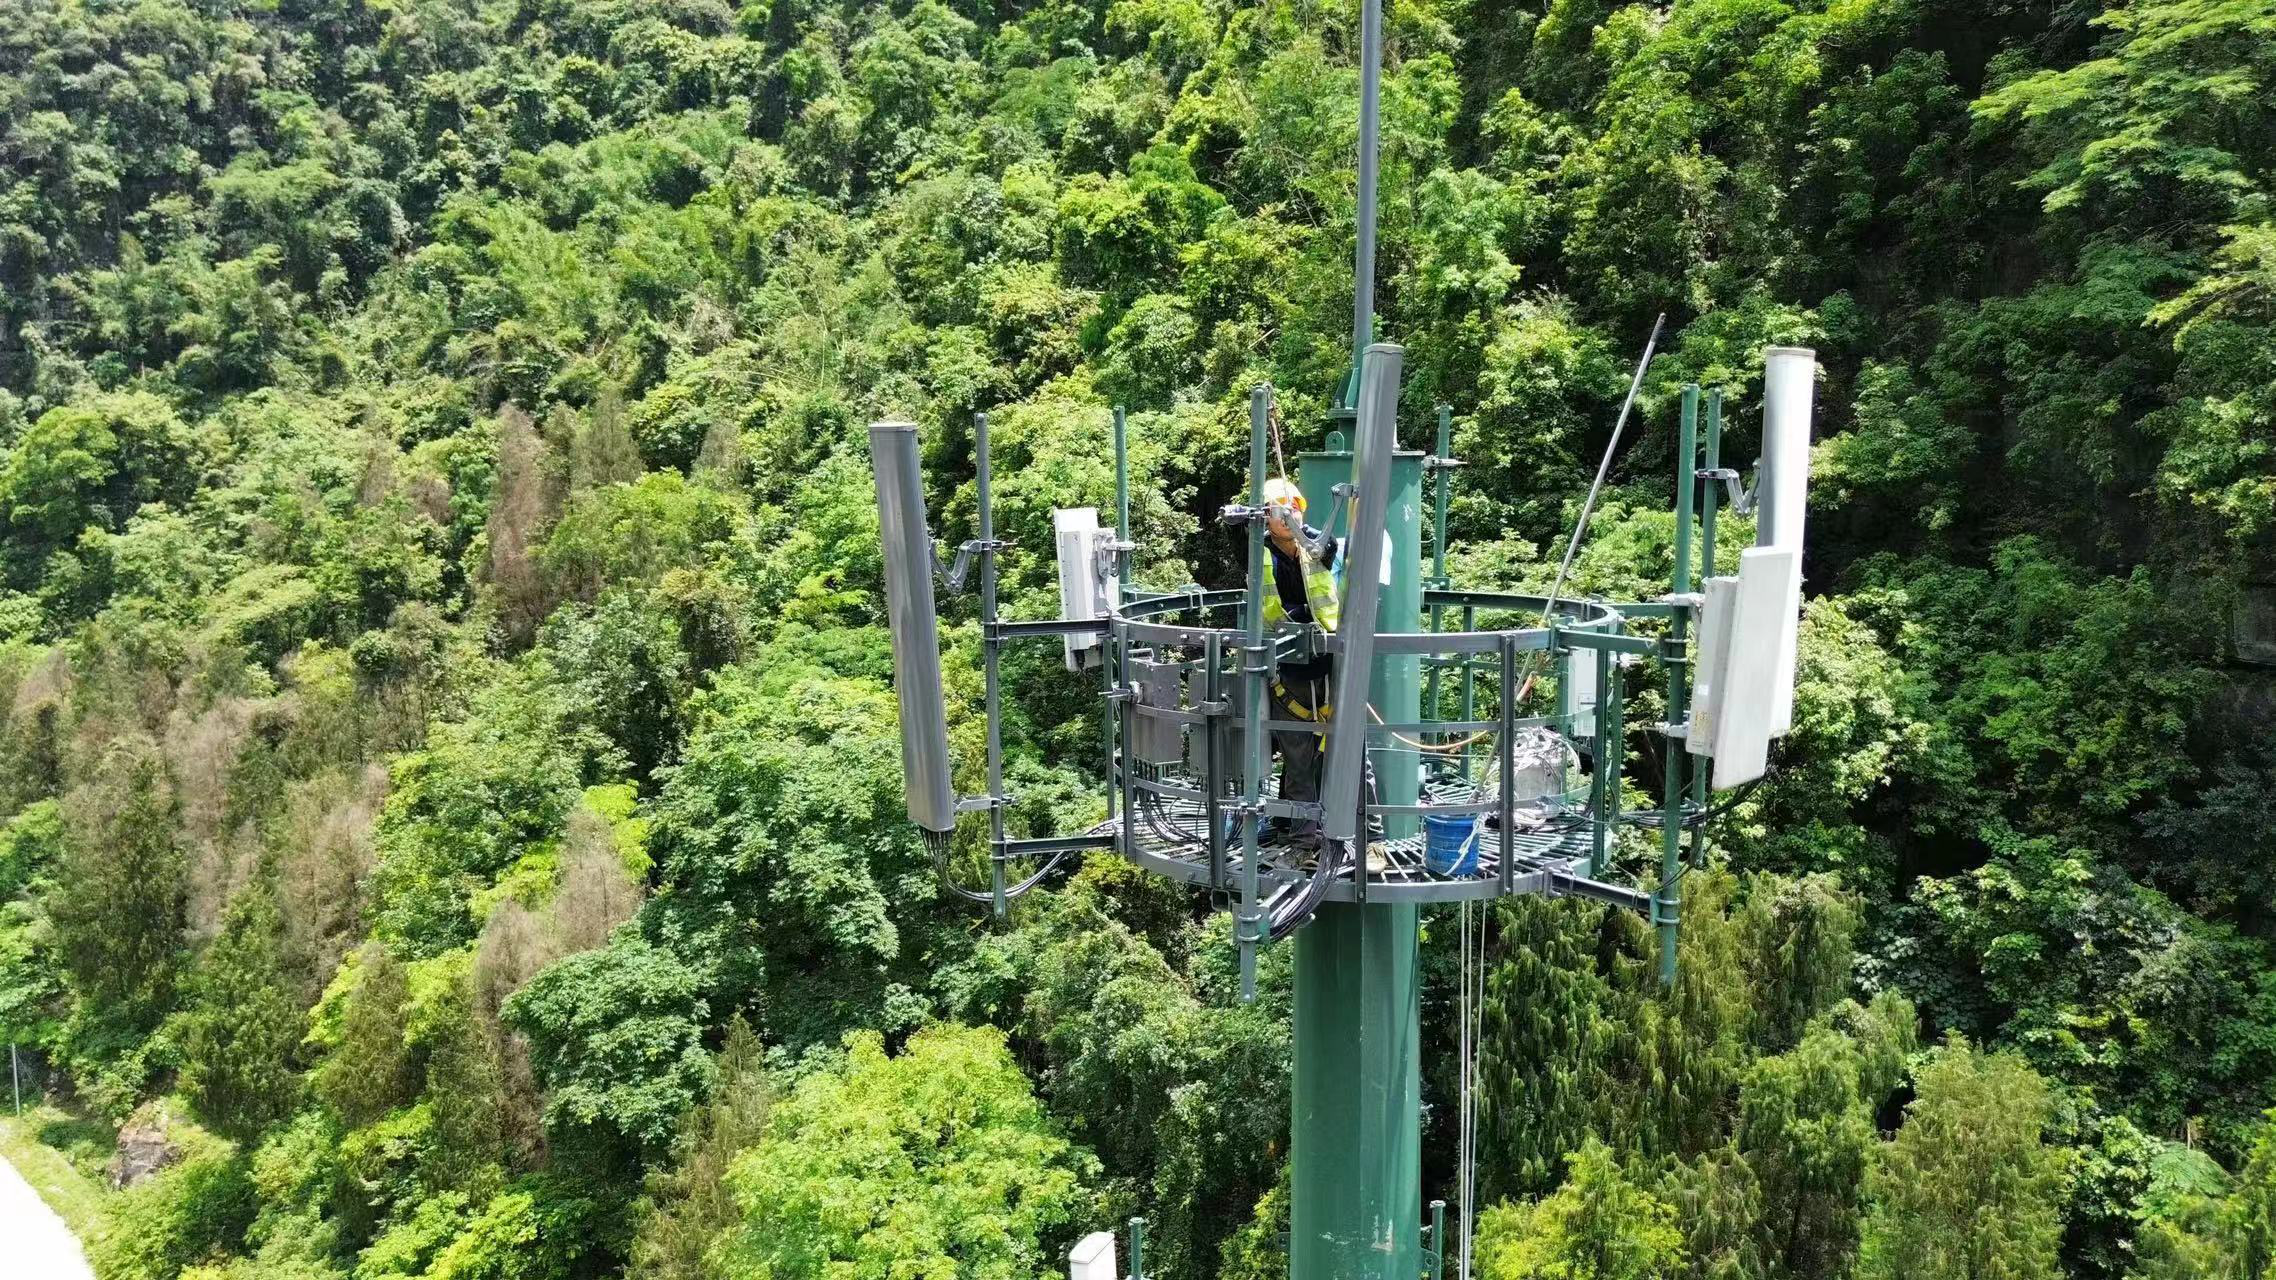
(144, 1148)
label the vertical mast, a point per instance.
(1370, 135)
(1355, 1133)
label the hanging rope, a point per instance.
(1472, 968)
(1472, 978)
(1272, 419)
(1596, 486)
(1462, 1108)
(1443, 748)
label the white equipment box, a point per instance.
(1093, 1258)
(1088, 583)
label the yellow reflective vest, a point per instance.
(1319, 593)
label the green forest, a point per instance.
(450, 796)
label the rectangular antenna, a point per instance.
(1365, 563)
(908, 547)
(1088, 585)
(1751, 652)
(1789, 381)
(1582, 694)
(1711, 664)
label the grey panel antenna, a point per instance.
(1363, 581)
(915, 624)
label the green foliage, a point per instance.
(433, 498)
(631, 535)
(536, 1231)
(2021, 700)
(938, 1160)
(785, 847)
(1598, 1226)
(360, 1024)
(1178, 1090)
(178, 1216)
(626, 674)
(1806, 1130)
(463, 809)
(1578, 1039)
(615, 1036)
(31, 848)
(295, 1172)
(241, 1027)
(688, 1204)
(92, 464)
(1968, 1188)
(2201, 1224)
(118, 899)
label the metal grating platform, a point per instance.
(1550, 856)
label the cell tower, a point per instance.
(1470, 799)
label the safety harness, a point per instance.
(1321, 597)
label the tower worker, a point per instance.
(1300, 570)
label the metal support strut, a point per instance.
(1667, 903)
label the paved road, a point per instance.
(39, 1246)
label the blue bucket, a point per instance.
(1450, 844)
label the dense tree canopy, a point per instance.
(447, 751)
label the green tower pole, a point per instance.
(1356, 1102)
(1356, 1208)
(1667, 904)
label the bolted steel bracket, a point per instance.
(954, 575)
(1250, 929)
(1741, 499)
(1263, 658)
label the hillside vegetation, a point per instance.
(447, 746)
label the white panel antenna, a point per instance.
(1745, 699)
(1087, 584)
(1707, 675)
(1788, 384)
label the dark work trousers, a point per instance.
(1303, 756)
